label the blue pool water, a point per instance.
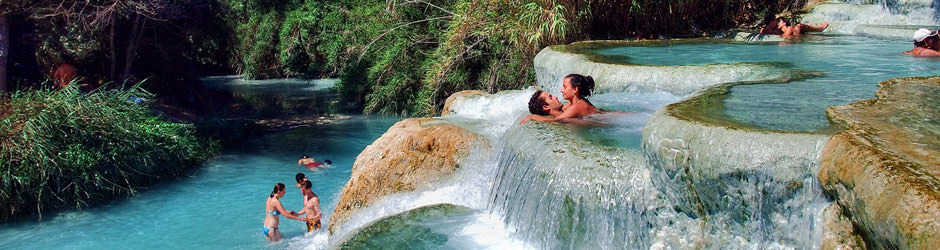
(219, 206)
(846, 69)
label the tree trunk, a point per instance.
(4, 52)
(112, 75)
(131, 51)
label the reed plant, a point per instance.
(67, 149)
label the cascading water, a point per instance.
(895, 19)
(679, 183)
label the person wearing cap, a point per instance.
(925, 43)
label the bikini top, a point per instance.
(275, 212)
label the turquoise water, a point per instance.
(276, 97)
(850, 67)
(219, 206)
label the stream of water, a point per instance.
(539, 185)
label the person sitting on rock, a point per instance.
(575, 88)
(925, 43)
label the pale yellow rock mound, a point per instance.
(412, 153)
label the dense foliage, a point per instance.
(170, 42)
(62, 149)
(405, 57)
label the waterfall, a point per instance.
(561, 192)
(892, 19)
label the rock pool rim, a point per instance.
(707, 107)
(584, 48)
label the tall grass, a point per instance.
(65, 149)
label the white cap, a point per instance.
(922, 33)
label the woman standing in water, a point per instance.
(575, 89)
(273, 210)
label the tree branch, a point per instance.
(366, 49)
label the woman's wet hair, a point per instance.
(536, 103)
(584, 84)
(277, 188)
(307, 184)
(785, 21)
(304, 156)
(300, 177)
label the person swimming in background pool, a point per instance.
(575, 89)
(273, 210)
(925, 43)
(786, 30)
(305, 160)
(309, 162)
(311, 206)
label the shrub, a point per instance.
(61, 149)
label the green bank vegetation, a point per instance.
(64, 149)
(406, 57)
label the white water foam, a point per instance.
(469, 188)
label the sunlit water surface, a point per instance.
(846, 69)
(220, 206)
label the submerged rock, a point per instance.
(412, 229)
(756, 37)
(412, 153)
(884, 169)
(838, 232)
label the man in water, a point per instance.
(311, 207)
(544, 104)
(925, 43)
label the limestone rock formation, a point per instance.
(838, 232)
(412, 153)
(884, 169)
(456, 97)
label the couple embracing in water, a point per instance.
(274, 209)
(575, 89)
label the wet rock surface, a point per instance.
(884, 169)
(412, 153)
(838, 232)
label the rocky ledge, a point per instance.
(411, 154)
(884, 169)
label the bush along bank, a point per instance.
(64, 149)
(407, 57)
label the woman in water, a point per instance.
(273, 210)
(575, 89)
